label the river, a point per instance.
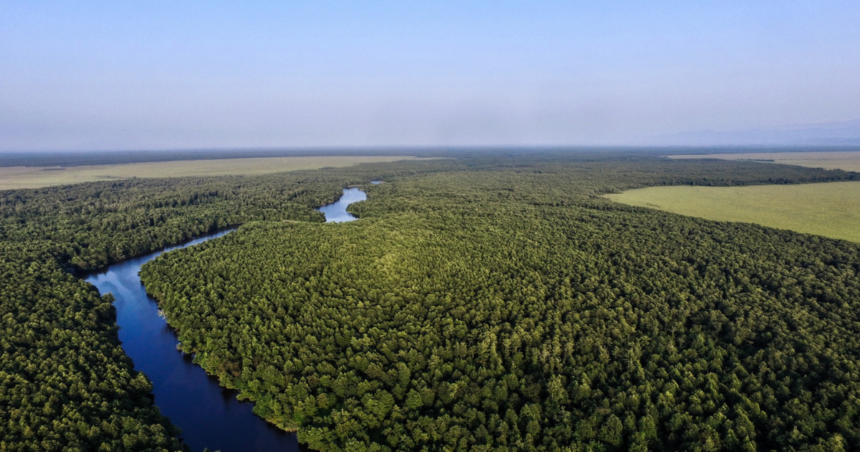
(209, 415)
(336, 211)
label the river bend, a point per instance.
(209, 415)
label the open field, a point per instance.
(844, 160)
(827, 209)
(35, 177)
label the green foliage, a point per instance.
(65, 382)
(502, 305)
(800, 208)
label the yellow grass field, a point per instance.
(844, 160)
(35, 177)
(829, 209)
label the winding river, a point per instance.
(336, 211)
(209, 415)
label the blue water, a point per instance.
(209, 415)
(336, 212)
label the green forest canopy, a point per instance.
(487, 303)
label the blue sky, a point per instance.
(193, 74)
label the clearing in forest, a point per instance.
(36, 177)
(827, 209)
(844, 160)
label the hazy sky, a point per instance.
(194, 74)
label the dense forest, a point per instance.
(65, 382)
(491, 302)
(509, 308)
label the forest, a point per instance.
(488, 302)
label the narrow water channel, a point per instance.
(336, 211)
(209, 415)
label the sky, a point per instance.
(104, 75)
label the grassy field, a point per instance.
(844, 160)
(35, 177)
(828, 209)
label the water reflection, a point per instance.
(209, 415)
(336, 212)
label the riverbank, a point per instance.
(209, 414)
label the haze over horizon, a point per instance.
(166, 75)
